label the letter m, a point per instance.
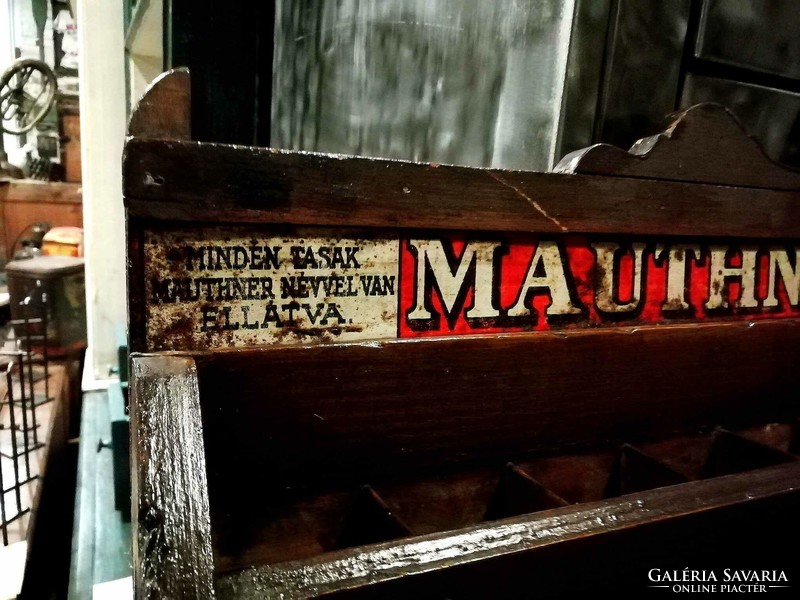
(450, 283)
(162, 290)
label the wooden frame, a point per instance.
(339, 414)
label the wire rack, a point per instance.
(23, 363)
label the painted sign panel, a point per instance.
(237, 287)
(223, 287)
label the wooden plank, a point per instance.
(530, 539)
(41, 191)
(83, 537)
(354, 409)
(163, 112)
(101, 542)
(182, 181)
(171, 529)
(320, 417)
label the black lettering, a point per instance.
(366, 284)
(226, 315)
(325, 257)
(246, 324)
(271, 257)
(223, 289)
(240, 257)
(332, 313)
(338, 258)
(209, 318)
(182, 290)
(350, 290)
(266, 288)
(316, 314)
(223, 255)
(291, 307)
(208, 284)
(217, 258)
(302, 288)
(326, 285)
(296, 258)
(352, 261)
(388, 285)
(256, 260)
(315, 282)
(237, 288)
(271, 316)
(252, 288)
(287, 287)
(338, 282)
(162, 291)
(310, 259)
(195, 254)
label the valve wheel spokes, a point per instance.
(27, 91)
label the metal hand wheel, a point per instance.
(27, 91)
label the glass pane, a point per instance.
(452, 81)
(771, 116)
(759, 35)
(642, 69)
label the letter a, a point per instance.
(554, 280)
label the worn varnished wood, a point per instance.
(38, 191)
(314, 418)
(172, 555)
(163, 112)
(188, 181)
(536, 390)
(702, 144)
(503, 545)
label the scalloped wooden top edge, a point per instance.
(164, 110)
(705, 143)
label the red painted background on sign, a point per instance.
(580, 262)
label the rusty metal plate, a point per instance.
(212, 288)
(240, 286)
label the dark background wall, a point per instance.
(228, 48)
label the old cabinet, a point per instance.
(387, 379)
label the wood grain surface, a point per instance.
(164, 111)
(318, 418)
(605, 545)
(189, 181)
(171, 529)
